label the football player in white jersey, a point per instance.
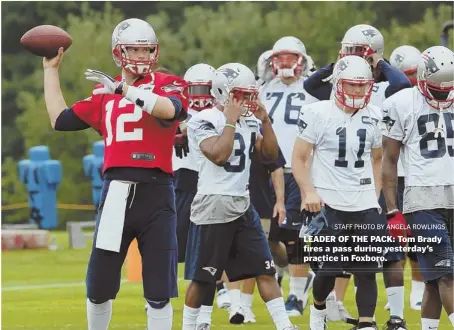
(342, 185)
(367, 42)
(406, 59)
(421, 120)
(283, 98)
(231, 237)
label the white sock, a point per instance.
(190, 317)
(160, 319)
(451, 318)
(98, 315)
(297, 286)
(396, 297)
(246, 299)
(235, 298)
(280, 271)
(429, 324)
(204, 315)
(276, 308)
(417, 286)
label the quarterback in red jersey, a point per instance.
(137, 113)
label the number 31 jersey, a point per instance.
(342, 152)
(428, 160)
(232, 179)
(132, 137)
(283, 104)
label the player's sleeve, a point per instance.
(90, 111)
(317, 84)
(202, 127)
(392, 122)
(175, 89)
(68, 121)
(306, 124)
(397, 79)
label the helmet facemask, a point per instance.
(199, 96)
(137, 67)
(439, 97)
(287, 64)
(356, 96)
(249, 96)
(355, 49)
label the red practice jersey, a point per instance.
(132, 137)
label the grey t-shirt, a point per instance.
(211, 209)
(428, 198)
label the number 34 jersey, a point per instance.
(232, 179)
(283, 104)
(132, 137)
(428, 160)
(342, 152)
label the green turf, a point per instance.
(27, 305)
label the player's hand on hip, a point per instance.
(397, 226)
(279, 210)
(54, 62)
(233, 109)
(312, 202)
(100, 77)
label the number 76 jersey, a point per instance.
(428, 158)
(283, 104)
(342, 145)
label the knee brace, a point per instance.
(159, 304)
(295, 251)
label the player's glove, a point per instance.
(310, 66)
(397, 226)
(101, 78)
(181, 145)
(313, 222)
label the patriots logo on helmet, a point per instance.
(399, 59)
(369, 33)
(431, 66)
(230, 74)
(123, 27)
(341, 66)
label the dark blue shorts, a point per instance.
(429, 224)
(290, 230)
(151, 218)
(239, 247)
(359, 229)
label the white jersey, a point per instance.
(341, 169)
(428, 161)
(232, 179)
(283, 104)
(189, 161)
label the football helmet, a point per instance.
(264, 69)
(288, 57)
(435, 76)
(199, 78)
(239, 80)
(362, 40)
(134, 32)
(406, 58)
(353, 70)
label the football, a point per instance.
(45, 40)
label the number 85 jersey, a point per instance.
(342, 146)
(132, 137)
(283, 104)
(428, 160)
(232, 179)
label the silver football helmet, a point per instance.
(134, 32)
(264, 68)
(200, 78)
(353, 71)
(238, 80)
(406, 58)
(362, 40)
(288, 58)
(436, 76)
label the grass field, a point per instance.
(44, 290)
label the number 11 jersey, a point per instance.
(283, 104)
(342, 168)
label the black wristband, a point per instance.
(119, 89)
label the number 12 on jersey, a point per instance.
(342, 161)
